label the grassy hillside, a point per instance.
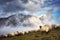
(53, 34)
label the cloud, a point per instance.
(33, 5)
(52, 3)
(52, 7)
(2, 2)
(29, 5)
(11, 6)
(39, 7)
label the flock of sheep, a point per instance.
(45, 28)
(16, 34)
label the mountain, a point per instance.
(21, 20)
(19, 23)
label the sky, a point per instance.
(50, 8)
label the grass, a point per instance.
(53, 34)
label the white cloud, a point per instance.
(31, 6)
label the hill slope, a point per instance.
(53, 34)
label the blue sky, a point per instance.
(1, 8)
(35, 7)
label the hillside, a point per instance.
(53, 34)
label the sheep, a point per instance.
(0, 36)
(29, 32)
(26, 32)
(23, 32)
(16, 33)
(20, 34)
(33, 31)
(4, 35)
(44, 28)
(11, 34)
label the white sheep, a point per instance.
(4, 35)
(11, 34)
(44, 28)
(22, 32)
(16, 33)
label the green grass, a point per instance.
(53, 34)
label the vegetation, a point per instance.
(53, 34)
